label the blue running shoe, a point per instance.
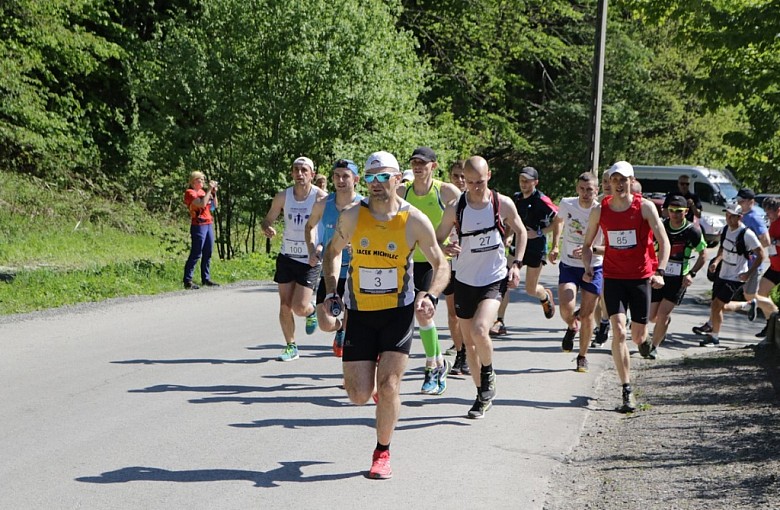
(441, 377)
(289, 353)
(430, 383)
(311, 322)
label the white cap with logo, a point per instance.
(382, 159)
(303, 160)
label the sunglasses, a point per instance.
(684, 183)
(678, 209)
(383, 177)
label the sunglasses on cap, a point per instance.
(678, 209)
(383, 177)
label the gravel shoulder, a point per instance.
(705, 436)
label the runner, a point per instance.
(771, 277)
(572, 222)
(296, 278)
(481, 274)
(321, 225)
(537, 212)
(383, 230)
(741, 255)
(461, 364)
(628, 223)
(684, 238)
(430, 196)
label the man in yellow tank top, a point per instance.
(430, 196)
(383, 230)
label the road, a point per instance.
(176, 401)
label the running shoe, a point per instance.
(762, 333)
(582, 364)
(289, 353)
(752, 311)
(441, 377)
(644, 348)
(487, 386)
(338, 344)
(464, 367)
(478, 410)
(380, 466)
(430, 385)
(601, 335)
(191, 286)
(709, 341)
(456, 366)
(452, 351)
(548, 305)
(629, 402)
(703, 329)
(209, 283)
(567, 344)
(311, 322)
(653, 354)
(498, 328)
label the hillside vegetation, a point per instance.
(60, 247)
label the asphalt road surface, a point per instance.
(177, 401)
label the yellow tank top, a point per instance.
(380, 273)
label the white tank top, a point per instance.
(575, 223)
(295, 216)
(481, 260)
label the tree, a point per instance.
(247, 86)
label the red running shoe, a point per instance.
(380, 466)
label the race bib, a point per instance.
(378, 281)
(674, 268)
(622, 239)
(295, 249)
(483, 243)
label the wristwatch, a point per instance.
(660, 272)
(518, 263)
(692, 274)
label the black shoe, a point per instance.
(209, 283)
(190, 286)
(629, 403)
(762, 333)
(567, 344)
(479, 408)
(703, 329)
(601, 335)
(644, 348)
(460, 357)
(487, 386)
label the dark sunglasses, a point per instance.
(383, 177)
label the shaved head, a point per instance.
(477, 164)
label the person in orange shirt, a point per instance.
(200, 203)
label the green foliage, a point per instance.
(246, 87)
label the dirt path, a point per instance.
(706, 436)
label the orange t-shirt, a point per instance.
(200, 216)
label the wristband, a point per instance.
(660, 272)
(433, 299)
(518, 263)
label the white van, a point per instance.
(715, 188)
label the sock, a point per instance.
(430, 340)
(627, 388)
(382, 447)
(714, 336)
(486, 369)
(500, 319)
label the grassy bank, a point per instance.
(60, 247)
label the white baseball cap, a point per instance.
(303, 160)
(408, 175)
(382, 159)
(623, 168)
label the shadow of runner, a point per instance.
(288, 472)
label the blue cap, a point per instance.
(346, 163)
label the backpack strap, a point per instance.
(497, 224)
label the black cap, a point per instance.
(423, 153)
(746, 193)
(530, 173)
(677, 201)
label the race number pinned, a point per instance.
(622, 239)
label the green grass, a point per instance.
(65, 247)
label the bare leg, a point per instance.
(587, 319)
(286, 320)
(620, 353)
(664, 310)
